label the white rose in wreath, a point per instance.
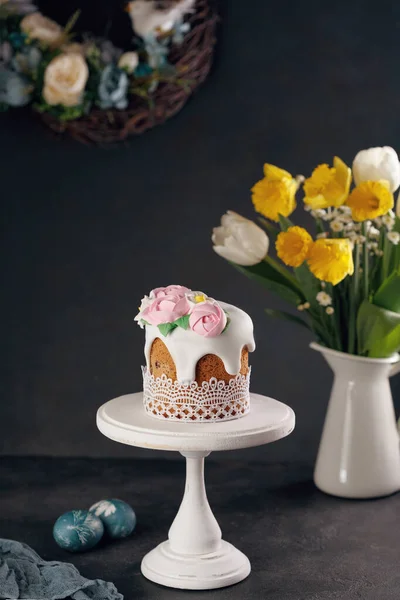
(65, 80)
(38, 27)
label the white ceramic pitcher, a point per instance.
(359, 452)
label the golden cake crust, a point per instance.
(210, 365)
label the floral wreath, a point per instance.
(66, 78)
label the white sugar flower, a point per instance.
(394, 237)
(321, 236)
(330, 310)
(197, 297)
(375, 164)
(336, 226)
(378, 221)
(324, 299)
(145, 302)
(240, 240)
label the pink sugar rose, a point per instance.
(166, 309)
(207, 319)
(161, 292)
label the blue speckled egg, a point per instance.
(78, 530)
(118, 517)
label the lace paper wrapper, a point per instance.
(213, 400)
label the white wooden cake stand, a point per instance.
(194, 556)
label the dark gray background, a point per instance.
(88, 231)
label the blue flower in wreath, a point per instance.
(27, 60)
(157, 51)
(15, 89)
(113, 88)
(181, 28)
(17, 39)
(143, 70)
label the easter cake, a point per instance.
(196, 352)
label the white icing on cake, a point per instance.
(187, 347)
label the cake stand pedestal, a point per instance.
(194, 557)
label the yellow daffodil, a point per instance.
(274, 195)
(328, 186)
(370, 199)
(331, 260)
(293, 246)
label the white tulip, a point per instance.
(240, 240)
(375, 164)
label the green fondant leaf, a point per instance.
(166, 328)
(182, 322)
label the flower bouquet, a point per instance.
(343, 273)
(88, 87)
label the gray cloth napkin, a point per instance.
(23, 574)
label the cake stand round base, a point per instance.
(226, 566)
(195, 557)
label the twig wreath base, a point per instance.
(193, 59)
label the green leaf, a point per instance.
(285, 316)
(395, 262)
(309, 284)
(166, 328)
(182, 322)
(269, 227)
(268, 277)
(285, 223)
(388, 295)
(378, 331)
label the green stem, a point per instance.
(365, 263)
(335, 318)
(354, 291)
(320, 225)
(387, 251)
(283, 271)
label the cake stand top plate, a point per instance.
(124, 420)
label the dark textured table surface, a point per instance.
(303, 545)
